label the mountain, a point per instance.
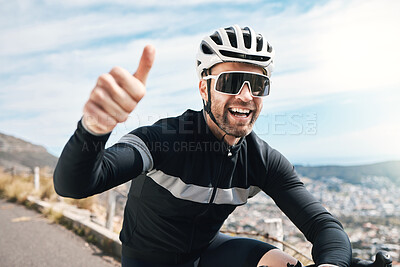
(23, 156)
(353, 174)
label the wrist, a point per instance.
(87, 129)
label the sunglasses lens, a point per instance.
(232, 82)
(229, 83)
(259, 84)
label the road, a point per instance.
(27, 238)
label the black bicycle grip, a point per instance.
(382, 259)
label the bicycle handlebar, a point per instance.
(382, 259)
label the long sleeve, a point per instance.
(86, 168)
(331, 244)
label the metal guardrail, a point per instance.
(113, 194)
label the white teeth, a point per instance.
(245, 111)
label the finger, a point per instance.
(133, 89)
(97, 120)
(102, 98)
(146, 61)
(115, 83)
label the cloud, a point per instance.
(341, 46)
(50, 60)
(74, 32)
(371, 144)
(150, 3)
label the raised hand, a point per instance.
(116, 95)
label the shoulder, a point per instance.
(257, 146)
(155, 142)
(170, 127)
(271, 158)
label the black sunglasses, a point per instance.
(232, 82)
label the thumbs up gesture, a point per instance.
(116, 95)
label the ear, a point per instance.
(203, 89)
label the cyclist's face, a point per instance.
(236, 114)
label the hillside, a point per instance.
(353, 174)
(23, 156)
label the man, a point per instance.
(190, 172)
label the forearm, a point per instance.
(330, 243)
(332, 246)
(85, 168)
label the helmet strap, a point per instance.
(207, 105)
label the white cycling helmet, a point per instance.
(235, 44)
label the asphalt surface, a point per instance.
(27, 238)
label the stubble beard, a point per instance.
(221, 114)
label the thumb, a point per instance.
(146, 61)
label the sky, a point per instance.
(335, 90)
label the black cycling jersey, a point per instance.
(186, 182)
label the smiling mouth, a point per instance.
(240, 113)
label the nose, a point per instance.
(245, 93)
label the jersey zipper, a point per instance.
(229, 154)
(229, 151)
(214, 192)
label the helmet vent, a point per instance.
(232, 39)
(247, 37)
(269, 48)
(216, 38)
(247, 40)
(232, 36)
(244, 56)
(206, 49)
(259, 43)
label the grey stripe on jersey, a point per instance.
(202, 194)
(181, 190)
(138, 143)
